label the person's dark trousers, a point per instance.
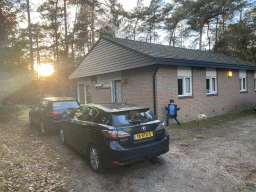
(169, 117)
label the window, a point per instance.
(89, 114)
(184, 81)
(255, 80)
(62, 106)
(242, 80)
(77, 114)
(117, 91)
(84, 93)
(211, 81)
(129, 118)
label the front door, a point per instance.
(117, 91)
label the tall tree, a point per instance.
(239, 39)
(30, 39)
(153, 18)
(202, 12)
(53, 13)
(133, 19)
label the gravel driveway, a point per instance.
(210, 158)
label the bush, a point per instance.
(8, 110)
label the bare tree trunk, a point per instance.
(209, 40)
(200, 38)
(56, 34)
(216, 30)
(30, 39)
(223, 24)
(38, 52)
(66, 30)
(92, 24)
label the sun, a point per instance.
(45, 69)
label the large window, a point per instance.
(242, 80)
(211, 81)
(184, 81)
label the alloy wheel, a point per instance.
(62, 138)
(95, 160)
(43, 131)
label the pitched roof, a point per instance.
(115, 54)
(163, 52)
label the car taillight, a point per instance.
(53, 113)
(114, 134)
(160, 127)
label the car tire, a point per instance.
(94, 159)
(43, 129)
(62, 137)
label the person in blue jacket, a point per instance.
(172, 112)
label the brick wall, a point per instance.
(139, 86)
(228, 98)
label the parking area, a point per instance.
(205, 158)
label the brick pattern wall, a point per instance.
(139, 86)
(228, 99)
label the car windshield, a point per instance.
(61, 106)
(133, 117)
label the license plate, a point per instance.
(143, 135)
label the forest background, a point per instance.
(65, 31)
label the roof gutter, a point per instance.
(204, 64)
(154, 88)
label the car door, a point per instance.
(85, 128)
(70, 124)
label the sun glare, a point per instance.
(45, 69)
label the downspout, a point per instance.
(154, 88)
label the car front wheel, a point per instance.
(62, 137)
(94, 158)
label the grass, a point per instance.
(216, 120)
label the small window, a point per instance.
(242, 81)
(184, 81)
(184, 86)
(211, 81)
(255, 80)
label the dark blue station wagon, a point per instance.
(113, 134)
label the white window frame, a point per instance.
(254, 80)
(211, 74)
(185, 73)
(85, 92)
(242, 81)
